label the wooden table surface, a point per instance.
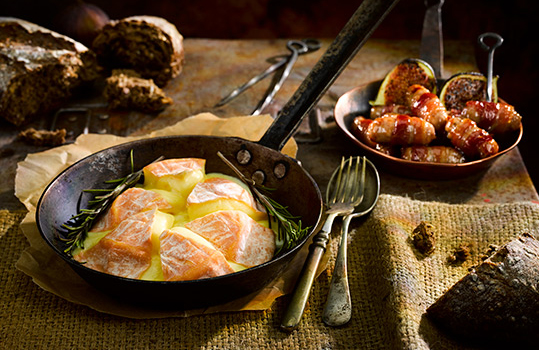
(214, 67)
(32, 317)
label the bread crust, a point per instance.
(39, 69)
(127, 90)
(498, 301)
(150, 45)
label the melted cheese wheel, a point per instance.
(182, 224)
(221, 194)
(186, 256)
(240, 238)
(127, 250)
(174, 179)
(171, 167)
(132, 201)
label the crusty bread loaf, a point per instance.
(498, 301)
(38, 69)
(150, 45)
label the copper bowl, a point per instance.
(356, 102)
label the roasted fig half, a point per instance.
(405, 74)
(464, 87)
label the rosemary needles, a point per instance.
(78, 226)
(289, 227)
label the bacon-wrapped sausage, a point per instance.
(379, 110)
(496, 118)
(433, 154)
(359, 129)
(401, 129)
(426, 105)
(470, 139)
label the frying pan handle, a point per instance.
(350, 39)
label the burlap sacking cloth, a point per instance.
(392, 285)
(53, 275)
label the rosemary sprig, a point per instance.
(289, 227)
(77, 226)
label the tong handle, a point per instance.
(290, 61)
(236, 92)
(498, 40)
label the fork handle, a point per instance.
(297, 304)
(338, 309)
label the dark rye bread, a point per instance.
(149, 45)
(498, 301)
(38, 69)
(125, 89)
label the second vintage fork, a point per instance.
(338, 308)
(343, 195)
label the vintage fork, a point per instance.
(343, 194)
(338, 308)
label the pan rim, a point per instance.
(127, 144)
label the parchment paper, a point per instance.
(53, 274)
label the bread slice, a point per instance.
(149, 45)
(125, 89)
(39, 69)
(498, 301)
(44, 137)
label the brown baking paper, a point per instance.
(53, 274)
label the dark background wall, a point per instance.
(515, 61)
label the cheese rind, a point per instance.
(132, 201)
(216, 193)
(186, 256)
(127, 250)
(240, 238)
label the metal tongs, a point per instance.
(296, 48)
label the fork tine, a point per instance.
(347, 184)
(346, 189)
(361, 189)
(336, 183)
(355, 183)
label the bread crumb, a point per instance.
(460, 254)
(423, 238)
(43, 137)
(491, 250)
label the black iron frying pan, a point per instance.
(295, 188)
